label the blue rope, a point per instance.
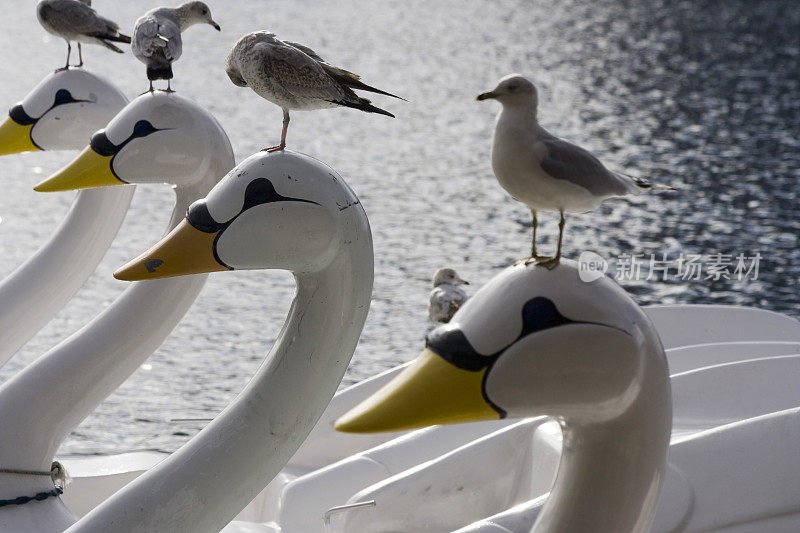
(22, 500)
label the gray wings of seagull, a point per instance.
(295, 77)
(75, 20)
(157, 38)
(566, 161)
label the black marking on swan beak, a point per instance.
(152, 264)
(18, 115)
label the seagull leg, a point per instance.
(551, 263)
(535, 257)
(69, 52)
(534, 224)
(80, 56)
(282, 145)
(152, 90)
(169, 86)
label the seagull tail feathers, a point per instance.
(110, 46)
(113, 37)
(120, 38)
(364, 87)
(348, 79)
(364, 105)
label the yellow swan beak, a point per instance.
(186, 250)
(15, 138)
(87, 171)
(430, 391)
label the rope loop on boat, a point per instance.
(58, 475)
(22, 500)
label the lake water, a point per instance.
(702, 95)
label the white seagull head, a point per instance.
(513, 89)
(447, 276)
(199, 13)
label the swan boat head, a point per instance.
(540, 342)
(60, 113)
(283, 211)
(157, 138)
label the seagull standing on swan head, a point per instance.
(157, 37)
(543, 171)
(447, 296)
(75, 20)
(293, 76)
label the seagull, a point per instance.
(157, 37)
(446, 297)
(75, 20)
(293, 76)
(543, 171)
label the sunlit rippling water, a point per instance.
(703, 95)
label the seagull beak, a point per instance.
(215, 25)
(15, 138)
(462, 281)
(185, 250)
(486, 96)
(429, 391)
(87, 171)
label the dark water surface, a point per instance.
(702, 95)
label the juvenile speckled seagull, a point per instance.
(447, 296)
(157, 37)
(75, 20)
(543, 171)
(293, 76)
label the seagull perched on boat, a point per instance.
(447, 296)
(157, 37)
(293, 76)
(75, 20)
(543, 171)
